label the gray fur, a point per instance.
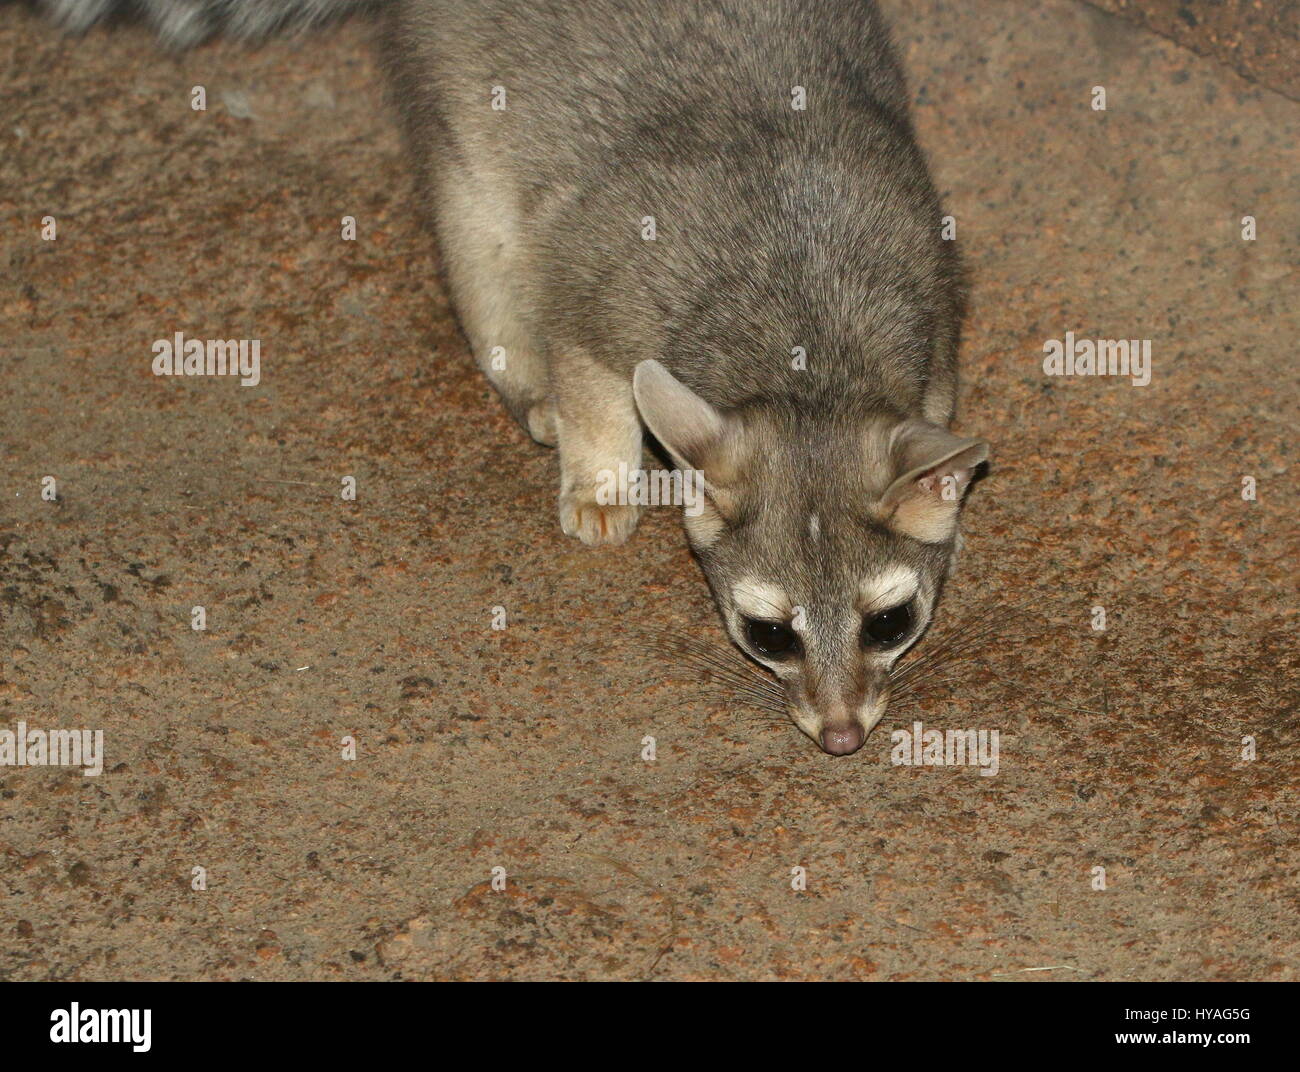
(777, 228)
(181, 23)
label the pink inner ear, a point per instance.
(930, 482)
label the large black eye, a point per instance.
(887, 628)
(771, 638)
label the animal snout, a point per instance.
(838, 718)
(842, 740)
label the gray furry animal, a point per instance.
(708, 219)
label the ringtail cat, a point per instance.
(706, 222)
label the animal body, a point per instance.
(706, 224)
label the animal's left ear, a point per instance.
(934, 468)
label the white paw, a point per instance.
(594, 524)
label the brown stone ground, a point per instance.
(520, 748)
(1259, 39)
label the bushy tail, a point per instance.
(186, 22)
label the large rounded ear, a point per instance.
(696, 434)
(932, 470)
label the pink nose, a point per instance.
(842, 740)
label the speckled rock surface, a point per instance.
(521, 748)
(1259, 39)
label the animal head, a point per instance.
(825, 539)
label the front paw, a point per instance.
(541, 422)
(582, 516)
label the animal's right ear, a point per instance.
(697, 435)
